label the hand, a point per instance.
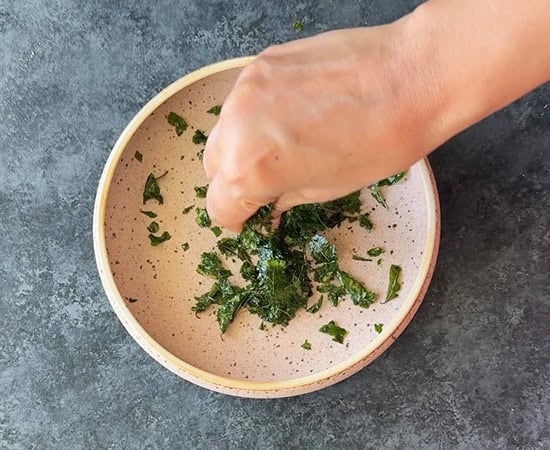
(311, 121)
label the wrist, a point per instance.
(443, 75)
(474, 57)
(420, 96)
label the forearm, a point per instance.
(474, 57)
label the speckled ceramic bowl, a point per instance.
(151, 288)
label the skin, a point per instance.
(315, 119)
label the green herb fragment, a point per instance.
(221, 292)
(157, 240)
(378, 327)
(211, 266)
(200, 154)
(232, 247)
(394, 285)
(335, 293)
(298, 26)
(132, 300)
(379, 262)
(226, 312)
(187, 209)
(360, 258)
(200, 191)
(316, 306)
(390, 181)
(282, 288)
(249, 239)
(153, 227)
(199, 137)
(262, 326)
(375, 251)
(151, 191)
(375, 192)
(177, 122)
(216, 110)
(338, 334)
(306, 345)
(138, 156)
(217, 231)
(202, 219)
(321, 250)
(350, 204)
(185, 246)
(247, 271)
(150, 214)
(365, 222)
(358, 293)
(228, 246)
(324, 254)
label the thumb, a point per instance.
(285, 202)
(227, 207)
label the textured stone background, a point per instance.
(470, 372)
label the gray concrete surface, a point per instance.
(471, 372)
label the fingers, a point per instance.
(287, 201)
(227, 207)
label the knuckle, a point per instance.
(260, 69)
(244, 96)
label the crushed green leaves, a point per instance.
(306, 345)
(279, 268)
(277, 263)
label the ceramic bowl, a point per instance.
(152, 288)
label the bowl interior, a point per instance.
(158, 284)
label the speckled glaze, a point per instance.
(162, 282)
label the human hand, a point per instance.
(311, 121)
(317, 118)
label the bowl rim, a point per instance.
(231, 385)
